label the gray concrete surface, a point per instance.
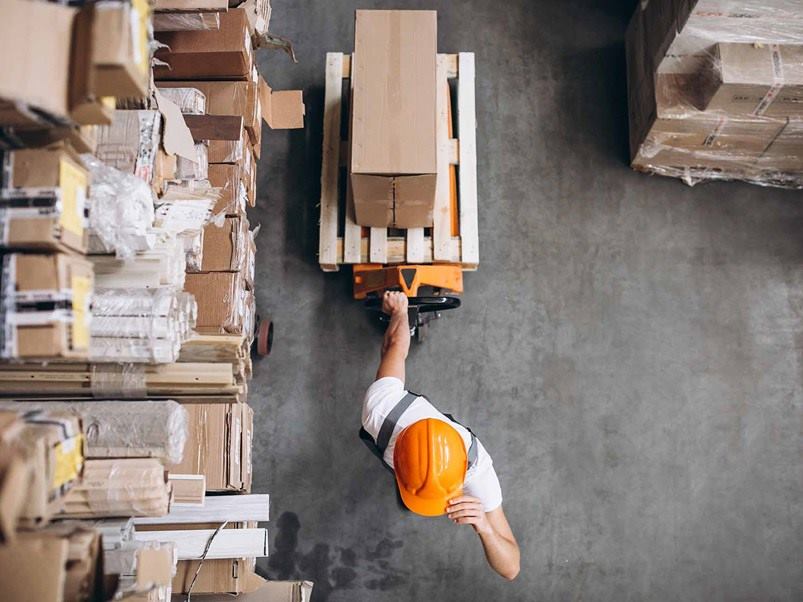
(629, 351)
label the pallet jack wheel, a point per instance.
(264, 337)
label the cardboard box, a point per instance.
(225, 248)
(52, 444)
(228, 151)
(746, 79)
(219, 54)
(47, 299)
(221, 302)
(223, 576)
(43, 206)
(22, 576)
(744, 138)
(56, 564)
(233, 197)
(86, 106)
(214, 445)
(393, 137)
(131, 142)
(29, 47)
(786, 151)
(226, 98)
(120, 48)
(257, 589)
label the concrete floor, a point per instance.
(629, 351)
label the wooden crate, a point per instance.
(342, 241)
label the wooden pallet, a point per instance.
(342, 241)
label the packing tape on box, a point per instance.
(118, 380)
(778, 79)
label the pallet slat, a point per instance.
(441, 229)
(327, 249)
(467, 153)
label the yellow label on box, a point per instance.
(81, 291)
(73, 183)
(69, 460)
(140, 18)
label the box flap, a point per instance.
(281, 110)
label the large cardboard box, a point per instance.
(709, 133)
(43, 205)
(393, 137)
(225, 247)
(216, 576)
(226, 98)
(35, 38)
(747, 79)
(233, 192)
(222, 302)
(225, 53)
(214, 445)
(46, 299)
(53, 446)
(57, 564)
(120, 48)
(786, 151)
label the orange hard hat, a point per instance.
(430, 463)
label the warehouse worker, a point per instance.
(439, 465)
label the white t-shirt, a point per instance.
(382, 396)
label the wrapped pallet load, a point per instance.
(716, 90)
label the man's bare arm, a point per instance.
(396, 344)
(498, 541)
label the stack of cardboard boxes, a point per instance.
(716, 90)
(153, 185)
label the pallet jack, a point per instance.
(441, 282)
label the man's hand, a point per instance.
(394, 302)
(467, 510)
(497, 539)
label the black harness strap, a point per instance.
(391, 420)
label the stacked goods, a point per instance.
(42, 459)
(716, 90)
(44, 305)
(212, 77)
(135, 315)
(393, 176)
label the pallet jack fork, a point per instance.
(372, 280)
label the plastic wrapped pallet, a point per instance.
(121, 210)
(123, 429)
(119, 487)
(141, 325)
(716, 90)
